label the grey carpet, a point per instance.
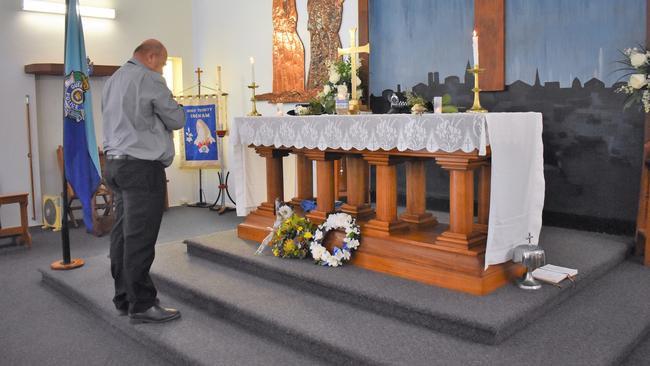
(597, 326)
(194, 339)
(38, 326)
(488, 319)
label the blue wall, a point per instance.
(410, 38)
(592, 147)
(564, 39)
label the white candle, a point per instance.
(253, 70)
(475, 47)
(219, 77)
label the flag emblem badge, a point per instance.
(76, 84)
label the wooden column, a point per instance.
(385, 221)
(274, 180)
(461, 204)
(485, 173)
(340, 180)
(416, 199)
(305, 180)
(324, 185)
(357, 188)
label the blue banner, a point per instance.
(200, 133)
(81, 160)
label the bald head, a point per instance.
(152, 54)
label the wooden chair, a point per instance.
(103, 211)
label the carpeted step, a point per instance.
(488, 319)
(598, 326)
(195, 339)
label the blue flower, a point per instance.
(308, 205)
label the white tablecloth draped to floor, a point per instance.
(517, 189)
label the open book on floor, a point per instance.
(554, 274)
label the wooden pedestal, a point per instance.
(357, 204)
(412, 246)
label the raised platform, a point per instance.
(239, 308)
(415, 254)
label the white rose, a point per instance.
(333, 261)
(339, 255)
(353, 244)
(637, 81)
(346, 255)
(317, 251)
(358, 80)
(302, 110)
(285, 212)
(334, 76)
(319, 235)
(327, 89)
(637, 59)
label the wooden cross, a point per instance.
(198, 73)
(353, 51)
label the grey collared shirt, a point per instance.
(140, 114)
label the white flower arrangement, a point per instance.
(637, 62)
(350, 242)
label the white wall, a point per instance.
(38, 38)
(227, 33)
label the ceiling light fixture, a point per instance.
(59, 8)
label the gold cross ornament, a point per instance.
(353, 51)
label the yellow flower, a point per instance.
(300, 228)
(289, 246)
(308, 235)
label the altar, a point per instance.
(472, 253)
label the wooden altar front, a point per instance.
(412, 245)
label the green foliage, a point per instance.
(447, 107)
(339, 74)
(292, 238)
(413, 99)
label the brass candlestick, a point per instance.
(253, 112)
(354, 106)
(476, 107)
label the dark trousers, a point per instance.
(139, 192)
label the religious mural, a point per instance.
(562, 65)
(288, 50)
(325, 17)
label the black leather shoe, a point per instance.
(155, 314)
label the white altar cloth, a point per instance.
(517, 189)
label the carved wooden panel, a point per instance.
(324, 24)
(288, 50)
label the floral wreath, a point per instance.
(351, 241)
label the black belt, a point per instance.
(121, 157)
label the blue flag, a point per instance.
(81, 160)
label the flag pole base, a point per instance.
(74, 263)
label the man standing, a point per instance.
(139, 115)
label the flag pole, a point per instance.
(66, 263)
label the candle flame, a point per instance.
(252, 60)
(474, 33)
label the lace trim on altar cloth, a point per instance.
(431, 132)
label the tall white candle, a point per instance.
(475, 47)
(253, 70)
(219, 77)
